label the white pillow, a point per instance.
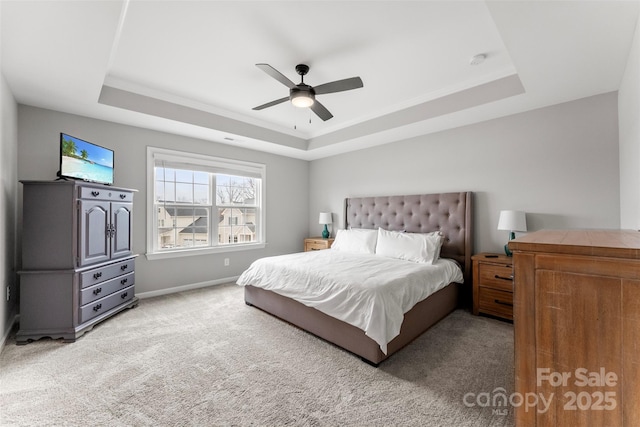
(434, 240)
(358, 240)
(415, 247)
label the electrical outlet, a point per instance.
(226, 262)
(8, 292)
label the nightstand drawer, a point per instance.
(496, 276)
(497, 303)
(313, 244)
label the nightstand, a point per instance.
(317, 243)
(493, 285)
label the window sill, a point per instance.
(152, 256)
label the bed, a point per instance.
(447, 213)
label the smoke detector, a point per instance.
(477, 59)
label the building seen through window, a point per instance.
(185, 203)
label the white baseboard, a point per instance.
(8, 330)
(189, 287)
(142, 295)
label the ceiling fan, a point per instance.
(302, 95)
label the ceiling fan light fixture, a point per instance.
(302, 95)
(302, 98)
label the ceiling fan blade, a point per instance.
(321, 111)
(276, 75)
(339, 86)
(271, 104)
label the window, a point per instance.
(202, 204)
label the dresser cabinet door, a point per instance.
(121, 221)
(579, 326)
(93, 234)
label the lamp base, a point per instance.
(512, 236)
(325, 232)
(507, 251)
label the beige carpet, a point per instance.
(205, 358)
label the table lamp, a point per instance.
(325, 218)
(512, 221)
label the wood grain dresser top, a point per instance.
(606, 243)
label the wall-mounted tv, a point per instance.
(84, 160)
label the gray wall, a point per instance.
(629, 112)
(287, 201)
(8, 198)
(559, 164)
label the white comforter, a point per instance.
(370, 292)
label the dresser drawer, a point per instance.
(495, 302)
(106, 193)
(101, 274)
(103, 289)
(496, 276)
(95, 308)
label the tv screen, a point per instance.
(80, 159)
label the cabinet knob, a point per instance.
(95, 193)
(123, 196)
(124, 295)
(123, 281)
(97, 307)
(97, 275)
(97, 291)
(124, 267)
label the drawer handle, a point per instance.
(497, 301)
(124, 267)
(510, 278)
(124, 295)
(97, 275)
(97, 291)
(315, 249)
(123, 281)
(123, 196)
(95, 193)
(97, 307)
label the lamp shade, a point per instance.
(325, 218)
(512, 221)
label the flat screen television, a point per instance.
(84, 160)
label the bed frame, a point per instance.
(448, 212)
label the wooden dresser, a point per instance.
(577, 327)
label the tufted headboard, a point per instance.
(448, 212)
